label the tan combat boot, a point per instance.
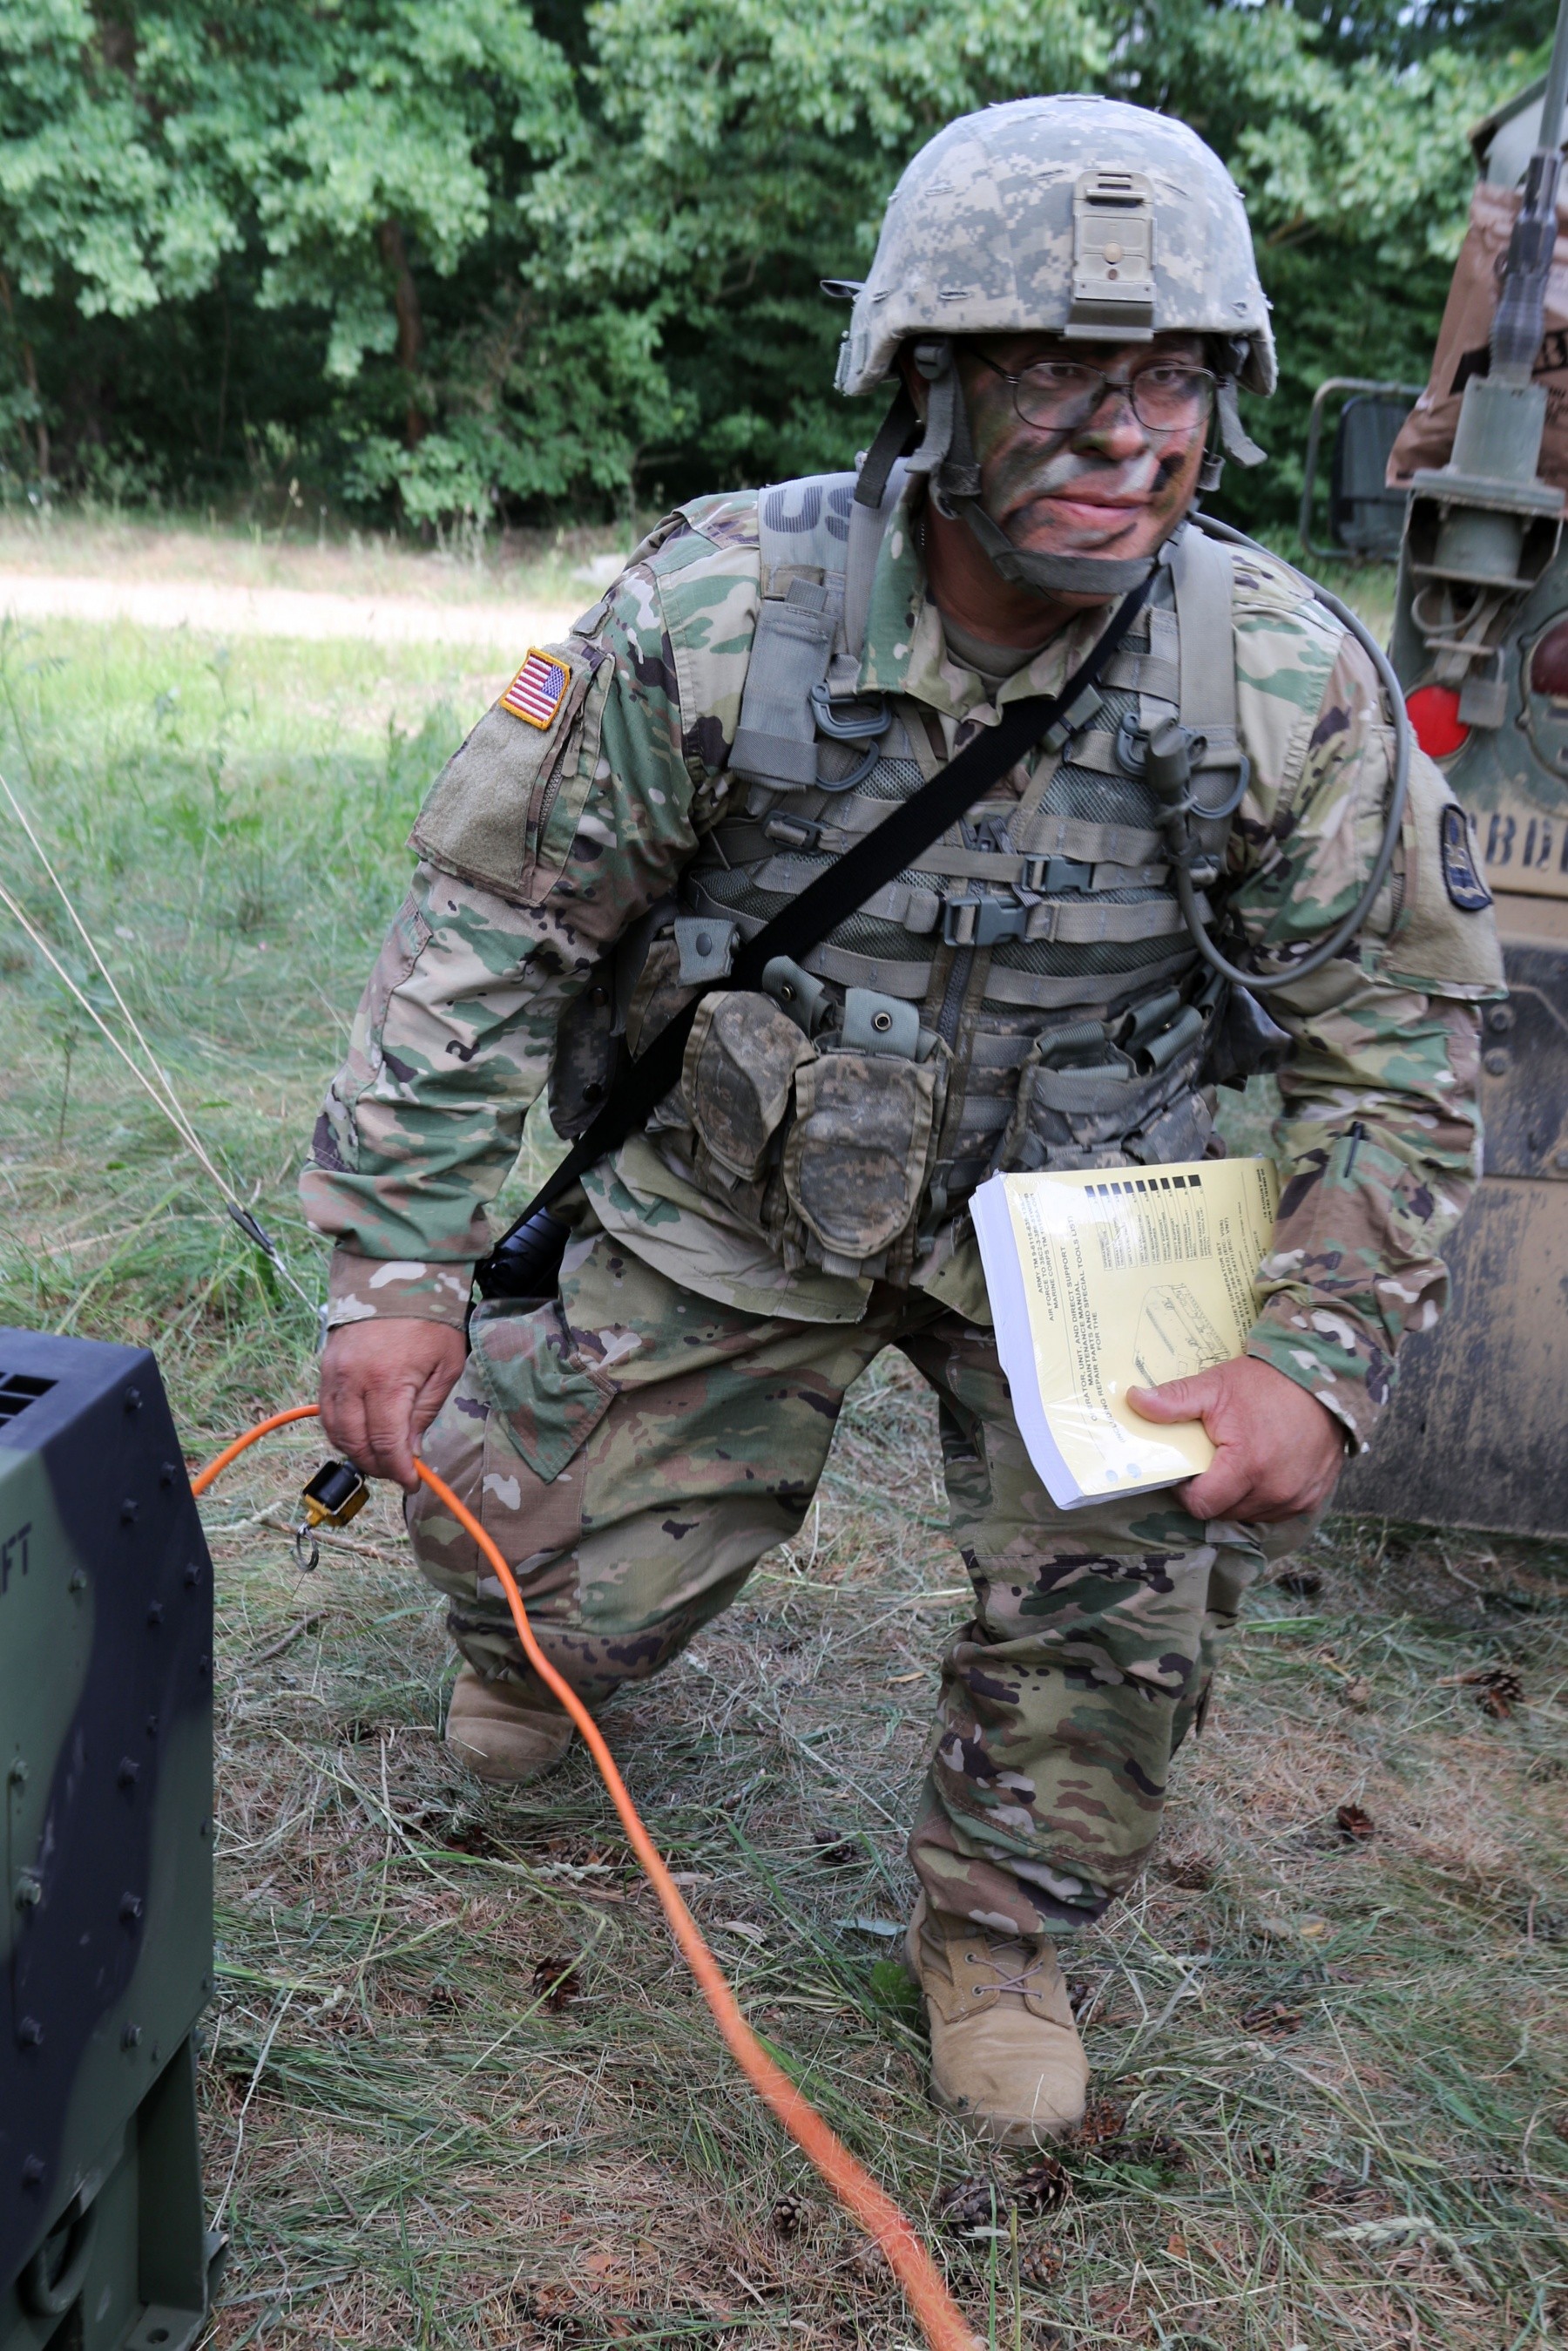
(1005, 2052)
(502, 1735)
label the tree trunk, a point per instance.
(410, 323)
(30, 370)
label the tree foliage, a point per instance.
(454, 257)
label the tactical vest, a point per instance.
(1028, 996)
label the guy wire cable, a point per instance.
(941, 2320)
(163, 1094)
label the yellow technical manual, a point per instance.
(1102, 1279)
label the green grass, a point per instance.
(465, 2091)
(87, 537)
(230, 820)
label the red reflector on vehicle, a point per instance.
(1549, 663)
(1435, 715)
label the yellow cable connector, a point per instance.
(334, 1495)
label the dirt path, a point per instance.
(228, 611)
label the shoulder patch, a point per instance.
(1461, 875)
(538, 690)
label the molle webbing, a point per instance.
(918, 911)
(1206, 657)
(787, 872)
(818, 555)
(1043, 834)
(838, 1088)
(1036, 992)
(1062, 898)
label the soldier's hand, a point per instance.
(382, 1383)
(1277, 1451)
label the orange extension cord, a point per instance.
(941, 2321)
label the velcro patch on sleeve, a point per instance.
(1461, 875)
(538, 690)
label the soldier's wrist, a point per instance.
(1335, 1376)
(368, 1289)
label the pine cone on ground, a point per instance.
(1498, 1688)
(1040, 2264)
(790, 2215)
(1104, 2119)
(1042, 2187)
(980, 2202)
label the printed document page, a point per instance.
(1102, 1279)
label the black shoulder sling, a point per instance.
(526, 1259)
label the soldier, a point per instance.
(1065, 297)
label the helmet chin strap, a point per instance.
(946, 456)
(1077, 575)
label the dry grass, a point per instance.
(461, 2083)
(295, 550)
(1335, 2098)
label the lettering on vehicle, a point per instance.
(1521, 848)
(14, 1555)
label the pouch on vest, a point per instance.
(1244, 1042)
(855, 1161)
(1071, 1118)
(776, 743)
(741, 1058)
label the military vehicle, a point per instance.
(1475, 1434)
(106, 1934)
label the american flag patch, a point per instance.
(538, 690)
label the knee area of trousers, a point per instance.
(494, 1651)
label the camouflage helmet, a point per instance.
(1075, 215)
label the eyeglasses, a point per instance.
(1062, 395)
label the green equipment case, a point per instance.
(106, 1749)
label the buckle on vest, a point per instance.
(1055, 877)
(977, 922)
(990, 833)
(1074, 719)
(793, 832)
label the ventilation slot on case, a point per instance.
(17, 1391)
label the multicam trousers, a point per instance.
(634, 1450)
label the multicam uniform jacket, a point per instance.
(544, 847)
